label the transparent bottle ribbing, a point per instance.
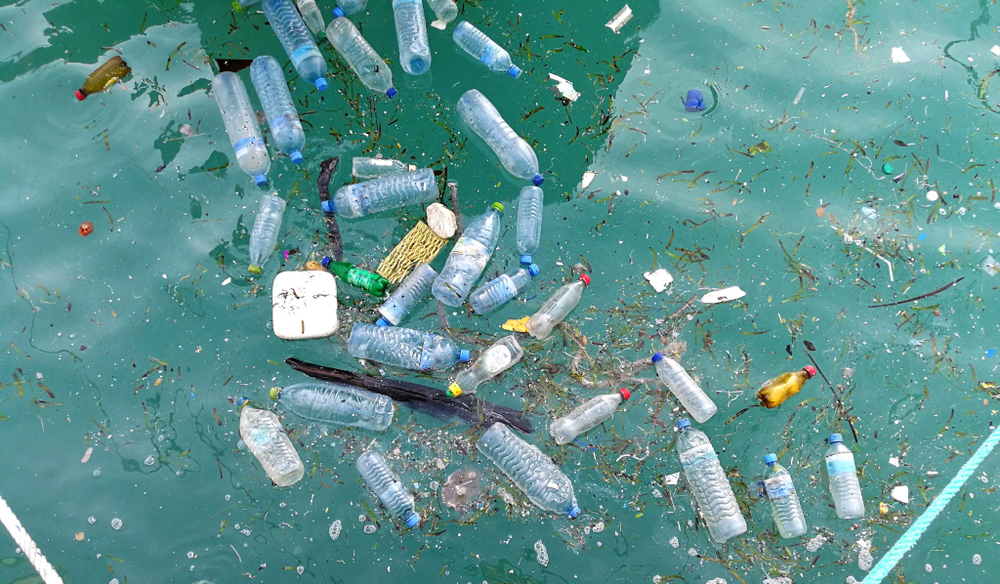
(695, 401)
(370, 68)
(785, 507)
(411, 36)
(501, 290)
(411, 291)
(530, 208)
(557, 308)
(483, 48)
(266, 440)
(403, 347)
(502, 355)
(349, 7)
(264, 235)
(445, 10)
(297, 40)
(586, 416)
(530, 469)
(709, 484)
(241, 125)
(311, 15)
(468, 258)
(336, 403)
(364, 167)
(382, 194)
(483, 118)
(844, 485)
(286, 128)
(381, 479)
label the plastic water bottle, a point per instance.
(476, 43)
(844, 485)
(286, 128)
(445, 10)
(266, 440)
(363, 167)
(468, 258)
(382, 194)
(264, 236)
(387, 487)
(530, 207)
(362, 58)
(411, 34)
(484, 119)
(403, 347)
(311, 15)
(297, 40)
(556, 308)
(241, 125)
(499, 291)
(587, 416)
(336, 403)
(350, 7)
(414, 288)
(530, 469)
(709, 483)
(502, 355)
(785, 507)
(700, 406)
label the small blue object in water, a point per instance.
(694, 101)
(991, 352)
(922, 237)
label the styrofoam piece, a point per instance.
(995, 50)
(588, 177)
(659, 279)
(304, 305)
(724, 295)
(898, 56)
(901, 494)
(441, 220)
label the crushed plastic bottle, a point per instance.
(844, 485)
(297, 40)
(502, 355)
(709, 484)
(382, 194)
(785, 507)
(483, 118)
(414, 288)
(387, 487)
(286, 128)
(445, 11)
(370, 68)
(501, 290)
(557, 308)
(110, 72)
(530, 469)
(241, 125)
(774, 392)
(349, 7)
(403, 347)
(266, 440)
(530, 208)
(468, 258)
(695, 401)
(371, 283)
(312, 16)
(363, 167)
(264, 236)
(587, 416)
(411, 35)
(336, 403)
(476, 43)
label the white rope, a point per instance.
(27, 545)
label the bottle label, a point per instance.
(840, 465)
(247, 143)
(383, 162)
(778, 487)
(476, 251)
(497, 359)
(698, 455)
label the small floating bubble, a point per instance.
(91, 520)
(116, 524)
(97, 472)
(150, 460)
(370, 528)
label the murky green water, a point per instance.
(144, 331)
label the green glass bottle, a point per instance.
(371, 283)
(112, 71)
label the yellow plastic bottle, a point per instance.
(774, 393)
(112, 71)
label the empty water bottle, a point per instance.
(530, 469)
(370, 68)
(382, 194)
(286, 129)
(241, 125)
(844, 485)
(785, 507)
(336, 403)
(403, 347)
(297, 40)
(264, 236)
(468, 258)
(476, 43)
(556, 308)
(445, 10)
(411, 35)
(587, 416)
(265, 439)
(371, 283)
(499, 291)
(349, 7)
(414, 288)
(483, 118)
(502, 355)
(387, 487)
(311, 15)
(700, 406)
(363, 167)
(530, 207)
(709, 483)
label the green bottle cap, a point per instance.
(255, 270)
(497, 206)
(887, 168)
(237, 6)
(275, 392)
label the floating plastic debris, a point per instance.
(724, 295)
(461, 489)
(865, 558)
(116, 524)
(624, 15)
(86, 455)
(991, 266)
(659, 279)
(978, 559)
(898, 56)
(901, 494)
(588, 177)
(564, 88)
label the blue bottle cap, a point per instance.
(390, 93)
(337, 12)
(770, 458)
(538, 180)
(242, 402)
(514, 71)
(657, 357)
(694, 101)
(525, 259)
(326, 262)
(836, 438)
(321, 84)
(683, 423)
(464, 355)
(329, 206)
(573, 511)
(532, 268)
(412, 520)
(382, 321)
(260, 180)
(296, 157)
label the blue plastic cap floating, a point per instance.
(694, 101)
(532, 268)
(329, 206)
(526, 259)
(391, 92)
(412, 520)
(514, 71)
(657, 357)
(382, 321)
(573, 511)
(326, 262)
(242, 402)
(770, 458)
(683, 423)
(296, 157)
(337, 12)
(321, 84)
(538, 180)
(836, 438)
(464, 355)
(260, 180)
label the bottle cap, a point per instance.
(260, 180)
(391, 92)
(255, 270)
(625, 394)
(337, 12)
(533, 269)
(836, 439)
(810, 371)
(770, 458)
(275, 392)
(80, 95)
(683, 423)
(454, 390)
(538, 180)
(514, 71)
(413, 520)
(242, 401)
(573, 511)
(585, 279)
(296, 157)
(329, 206)
(464, 355)
(657, 357)
(382, 321)
(320, 83)
(525, 259)
(326, 262)
(237, 6)
(497, 206)
(694, 101)
(887, 168)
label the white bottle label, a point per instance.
(497, 359)
(381, 162)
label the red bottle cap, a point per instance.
(585, 279)
(625, 394)
(80, 95)
(810, 371)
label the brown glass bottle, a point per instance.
(113, 70)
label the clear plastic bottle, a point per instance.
(530, 469)
(414, 288)
(264, 236)
(445, 10)
(403, 347)
(265, 439)
(336, 403)
(502, 355)
(349, 7)
(557, 308)
(785, 507)
(483, 118)
(272, 91)
(382, 194)
(476, 43)
(297, 40)
(241, 125)
(709, 483)
(411, 35)
(362, 58)
(499, 291)
(695, 401)
(387, 487)
(364, 167)
(587, 416)
(468, 258)
(530, 208)
(312, 16)
(844, 484)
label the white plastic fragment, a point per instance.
(893, 461)
(673, 478)
(724, 295)
(901, 494)
(995, 50)
(304, 305)
(865, 558)
(991, 266)
(441, 220)
(439, 24)
(898, 56)
(932, 196)
(86, 455)
(564, 87)
(624, 15)
(588, 177)
(659, 279)
(798, 96)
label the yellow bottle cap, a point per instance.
(454, 390)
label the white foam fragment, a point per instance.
(541, 554)
(901, 494)
(893, 461)
(995, 50)
(564, 87)
(624, 15)
(673, 478)
(724, 295)
(304, 305)
(588, 177)
(441, 220)
(659, 279)
(898, 56)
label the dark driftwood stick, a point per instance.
(327, 169)
(921, 297)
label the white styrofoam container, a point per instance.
(304, 305)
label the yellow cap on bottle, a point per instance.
(454, 390)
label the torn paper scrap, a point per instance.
(724, 295)
(624, 15)
(898, 56)
(588, 177)
(659, 279)
(564, 88)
